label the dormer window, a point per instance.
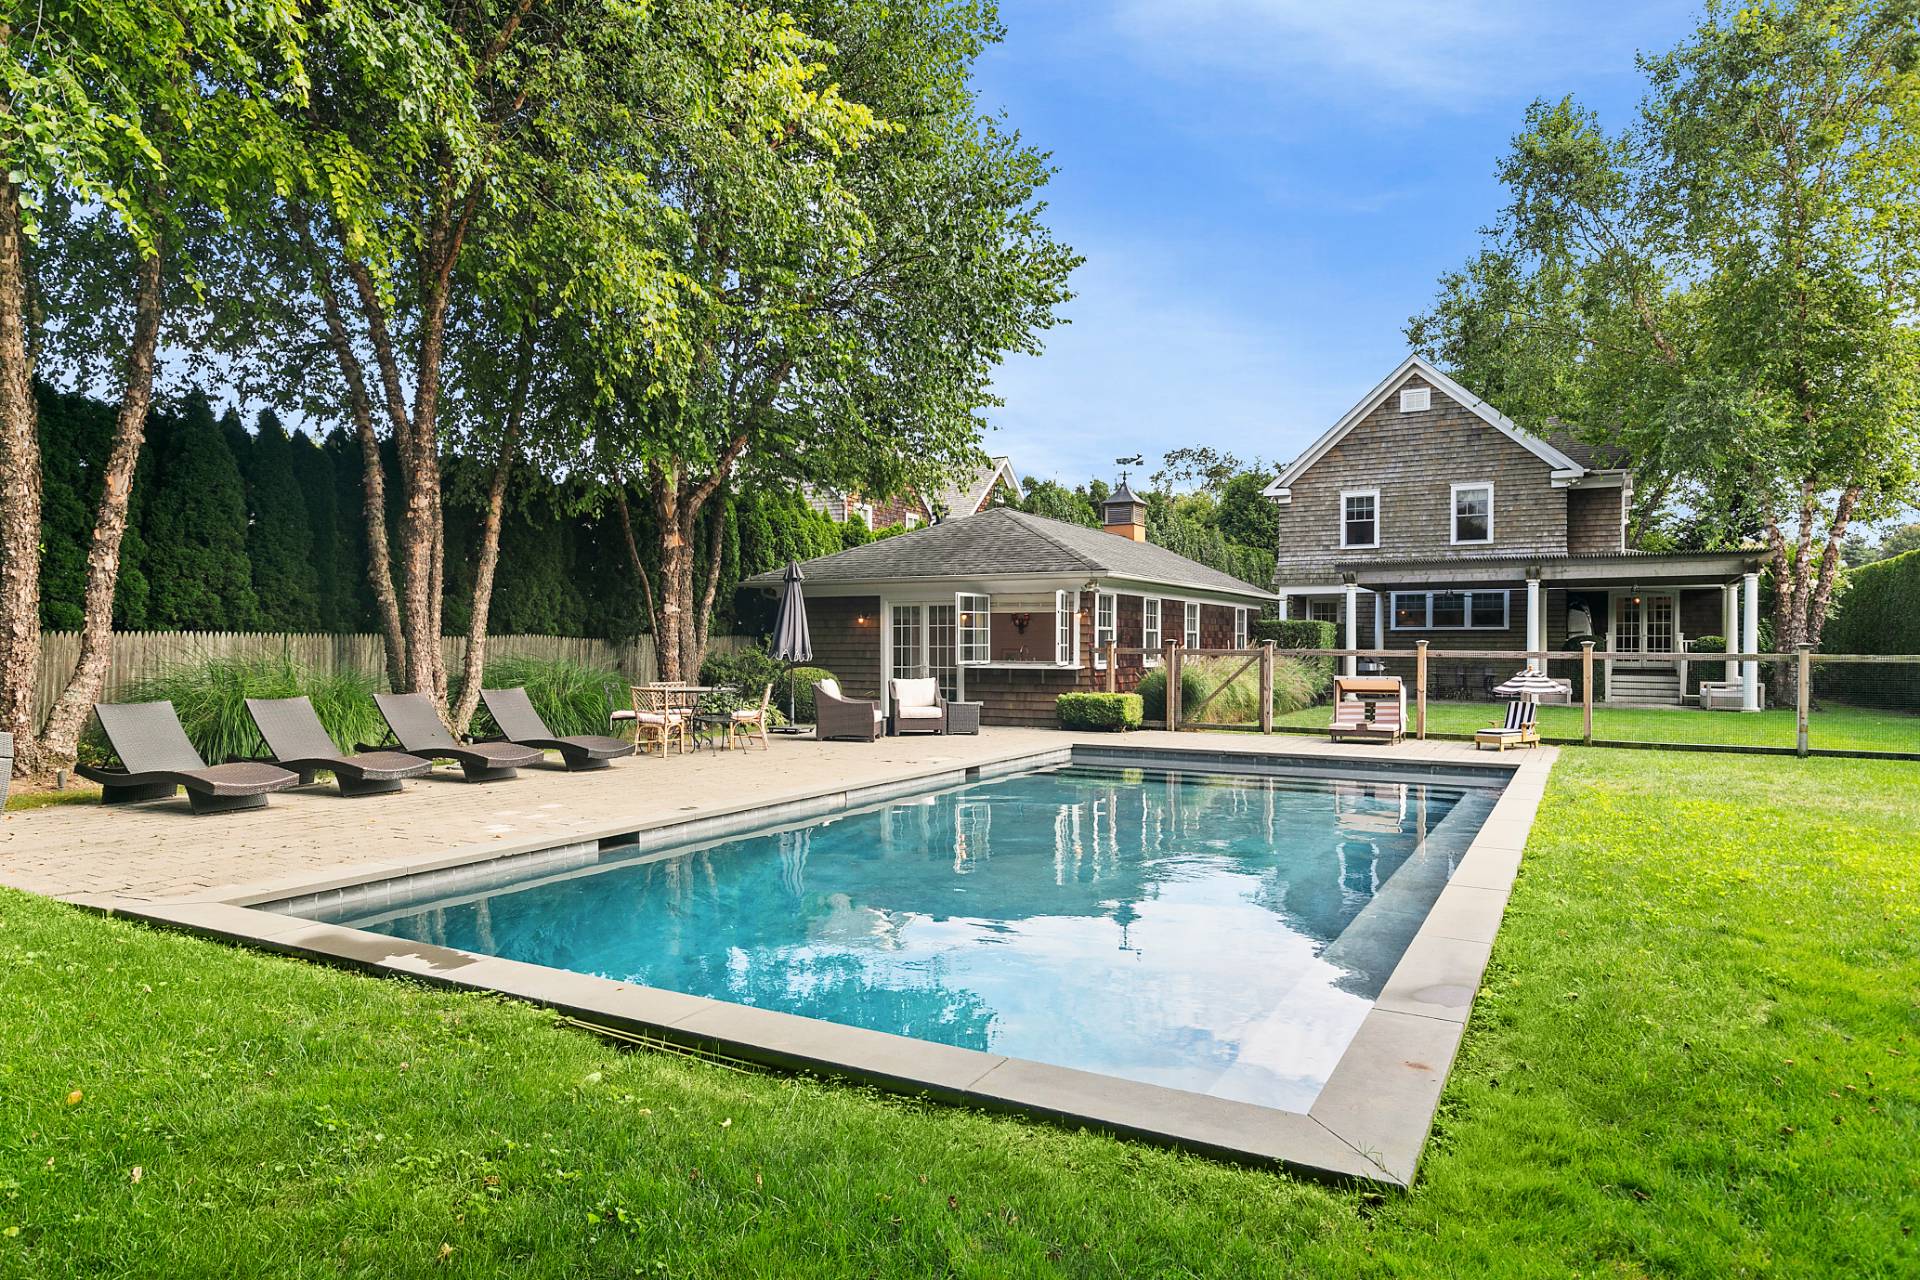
(1360, 518)
(1472, 513)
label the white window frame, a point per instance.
(1359, 493)
(1190, 625)
(1151, 637)
(1453, 510)
(1316, 604)
(1066, 628)
(972, 629)
(1426, 598)
(1106, 605)
(1240, 628)
(1416, 399)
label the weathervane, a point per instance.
(1123, 463)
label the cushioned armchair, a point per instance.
(917, 706)
(837, 716)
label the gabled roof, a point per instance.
(1565, 468)
(964, 494)
(1002, 543)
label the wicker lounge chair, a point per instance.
(297, 740)
(1354, 695)
(1521, 728)
(838, 716)
(159, 759)
(416, 727)
(513, 711)
(917, 707)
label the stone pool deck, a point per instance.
(232, 875)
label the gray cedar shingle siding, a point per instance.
(1593, 520)
(1414, 459)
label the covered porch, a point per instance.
(1644, 612)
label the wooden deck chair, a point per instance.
(1520, 729)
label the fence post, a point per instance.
(1586, 691)
(1804, 695)
(1266, 686)
(1113, 667)
(1173, 686)
(1420, 689)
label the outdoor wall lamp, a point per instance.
(1020, 621)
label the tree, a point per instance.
(125, 130)
(1195, 467)
(857, 284)
(1727, 291)
(280, 548)
(312, 471)
(1898, 541)
(197, 529)
(1055, 501)
(1246, 515)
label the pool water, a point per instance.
(1223, 934)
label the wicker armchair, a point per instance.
(917, 707)
(837, 716)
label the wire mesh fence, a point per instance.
(1778, 703)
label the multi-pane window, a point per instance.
(1472, 513)
(1360, 518)
(1239, 628)
(1150, 626)
(940, 655)
(1323, 610)
(1066, 628)
(1105, 630)
(906, 642)
(975, 633)
(1192, 636)
(1449, 610)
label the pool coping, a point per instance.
(1369, 1123)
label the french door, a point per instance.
(1645, 624)
(922, 646)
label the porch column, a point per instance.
(1350, 665)
(1730, 628)
(885, 617)
(1283, 606)
(1535, 632)
(1750, 643)
(1379, 621)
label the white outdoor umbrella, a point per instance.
(1528, 684)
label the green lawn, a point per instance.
(1832, 726)
(1694, 1055)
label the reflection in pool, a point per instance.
(1218, 933)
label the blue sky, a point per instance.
(1264, 191)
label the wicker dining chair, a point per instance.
(749, 720)
(657, 719)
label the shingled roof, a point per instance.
(1002, 542)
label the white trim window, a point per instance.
(1450, 610)
(1416, 399)
(1106, 627)
(1472, 513)
(1066, 628)
(1359, 518)
(1191, 638)
(1150, 628)
(1323, 609)
(1239, 628)
(973, 635)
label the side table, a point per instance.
(963, 717)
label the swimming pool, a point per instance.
(1215, 932)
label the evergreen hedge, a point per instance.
(1879, 612)
(1116, 712)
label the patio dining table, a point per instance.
(684, 700)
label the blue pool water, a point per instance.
(1223, 934)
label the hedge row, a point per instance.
(1879, 612)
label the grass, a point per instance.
(210, 696)
(76, 793)
(1832, 726)
(1694, 1056)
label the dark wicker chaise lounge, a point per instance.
(296, 739)
(513, 711)
(416, 727)
(159, 759)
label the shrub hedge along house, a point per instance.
(1012, 610)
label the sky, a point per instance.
(1264, 191)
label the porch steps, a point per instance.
(1652, 688)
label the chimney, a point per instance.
(1124, 514)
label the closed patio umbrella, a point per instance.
(791, 640)
(1528, 684)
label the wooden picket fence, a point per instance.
(143, 653)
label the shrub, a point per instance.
(750, 670)
(572, 697)
(1113, 711)
(798, 686)
(210, 697)
(1876, 614)
(1296, 684)
(1302, 633)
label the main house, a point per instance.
(1426, 514)
(1011, 610)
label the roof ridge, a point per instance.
(1025, 516)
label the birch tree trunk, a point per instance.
(474, 663)
(20, 482)
(61, 736)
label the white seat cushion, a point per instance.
(915, 694)
(746, 713)
(830, 687)
(917, 713)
